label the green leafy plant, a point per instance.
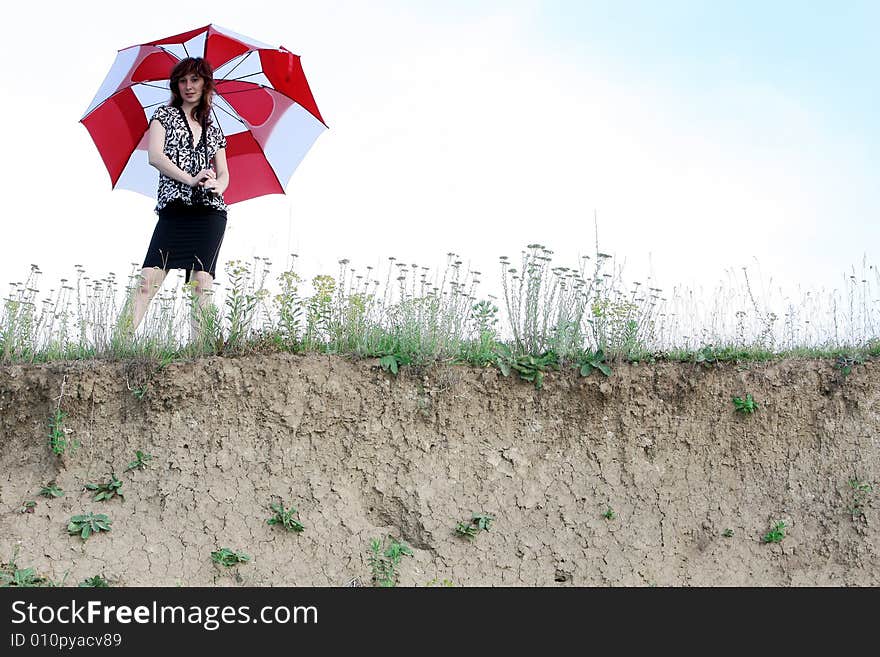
(478, 522)
(385, 560)
(285, 517)
(227, 557)
(706, 356)
(532, 368)
(11, 575)
(845, 363)
(58, 440)
(609, 514)
(140, 461)
(466, 529)
(108, 490)
(776, 534)
(51, 490)
(96, 582)
(728, 533)
(747, 405)
(861, 492)
(593, 361)
(391, 362)
(443, 582)
(86, 525)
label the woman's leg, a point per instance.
(151, 281)
(203, 289)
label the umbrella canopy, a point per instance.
(262, 104)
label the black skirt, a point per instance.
(187, 237)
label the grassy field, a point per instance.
(565, 315)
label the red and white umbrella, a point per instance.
(263, 106)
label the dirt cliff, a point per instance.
(647, 477)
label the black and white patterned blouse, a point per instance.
(189, 157)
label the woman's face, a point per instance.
(190, 87)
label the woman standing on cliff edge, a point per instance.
(192, 213)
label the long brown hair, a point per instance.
(204, 70)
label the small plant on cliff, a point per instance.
(107, 490)
(226, 557)
(530, 368)
(861, 492)
(51, 490)
(140, 461)
(443, 582)
(58, 441)
(285, 517)
(86, 525)
(706, 356)
(95, 582)
(384, 561)
(747, 405)
(479, 522)
(845, 363)
(11, 575)
(776, 534)
(593, 361)
(609, 514)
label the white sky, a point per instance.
(476, 131)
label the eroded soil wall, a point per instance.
(363, 455)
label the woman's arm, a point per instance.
(158, 159)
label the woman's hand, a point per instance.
(202, 177)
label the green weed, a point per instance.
(443, 583)
(51, 490)
(609, 514)
(385, 560)
(478, 522)
(140, 461)
(96, 582)
(776, 534)
(728, 533)
(13, 576)
(590, 361)
(746, 406)
(227, 557)
(530, 368)
(107, 490)
(88, 524)
(28, 507)
(861, 492)
(285, 517)
(845, 363)
(58, 433)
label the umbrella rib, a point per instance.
(216, 107)
(243, 77)
(237, 65)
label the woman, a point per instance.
(192, 213)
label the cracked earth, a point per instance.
(364, 455)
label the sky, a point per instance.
(701, 137)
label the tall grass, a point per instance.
(422, 317)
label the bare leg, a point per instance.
(151, 281)
(204, 292)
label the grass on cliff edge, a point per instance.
(571, 312)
